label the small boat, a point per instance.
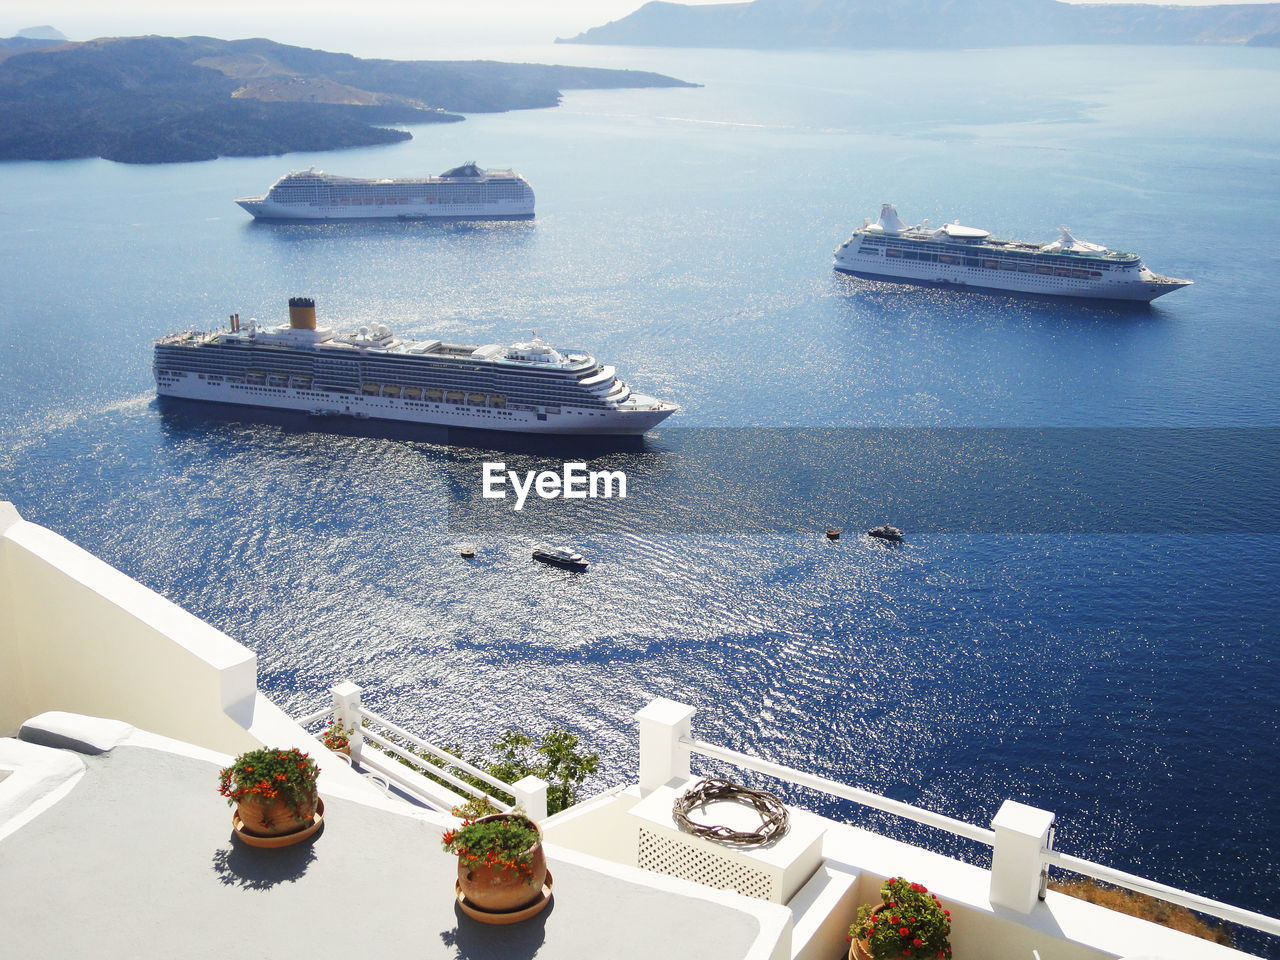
(560, 557)
(885, 532)
(467, 551)
(833, 533)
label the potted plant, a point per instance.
(909, 923)
(501, 867)
(273, 791)
(337, 737)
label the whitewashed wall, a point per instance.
(80, 636)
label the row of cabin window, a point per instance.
(1010, 265)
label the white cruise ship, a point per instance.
(954, 255)
(527, 387)
(465, 192)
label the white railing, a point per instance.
(1020, 837)
(420, 778)
(836, 789)
(1192, 901)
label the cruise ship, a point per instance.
(966, 257)
(527, 387)
(465, 192)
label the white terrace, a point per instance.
(115, 843)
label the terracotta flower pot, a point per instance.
(497, 889)
(861, 949)
(271, 818)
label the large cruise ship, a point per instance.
(954, 255)
(528, 387)
(466, 192)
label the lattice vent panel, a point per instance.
(689, 862)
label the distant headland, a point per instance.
(166, 99)
(935, 24)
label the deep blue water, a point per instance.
(1124, 680)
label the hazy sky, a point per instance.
(318, 22)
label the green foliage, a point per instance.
(272, 775)
(909, 923)
(556, 759)
(505, 841)
(475, 808)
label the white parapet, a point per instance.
(773, 871)
(531, 796)
(78, 635)
(662, 756)
(1022, 834)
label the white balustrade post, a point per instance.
(346, 711)
(531, 797)
(1017, 857)
(662, 756)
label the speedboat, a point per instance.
(560, 557)
(885, 532)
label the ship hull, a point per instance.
(263, 209)
(1058, 288)
(551, 421)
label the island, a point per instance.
(166, 99)
(933, 24)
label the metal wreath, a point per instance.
(773, 815)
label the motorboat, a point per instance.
(560, 557)
(886, 532)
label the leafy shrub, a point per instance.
(271, 775)
(504, 841)
(910, 922)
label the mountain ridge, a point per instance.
(932, 24)
(169, 99)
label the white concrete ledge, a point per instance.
(79, 636)
(35, 779)
(75, 731)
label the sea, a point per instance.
(1114, 662)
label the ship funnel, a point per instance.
(302, 313)
(889, 221)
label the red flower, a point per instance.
(903, 932)
(917, 942)
(946, 913)
(894, 918)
